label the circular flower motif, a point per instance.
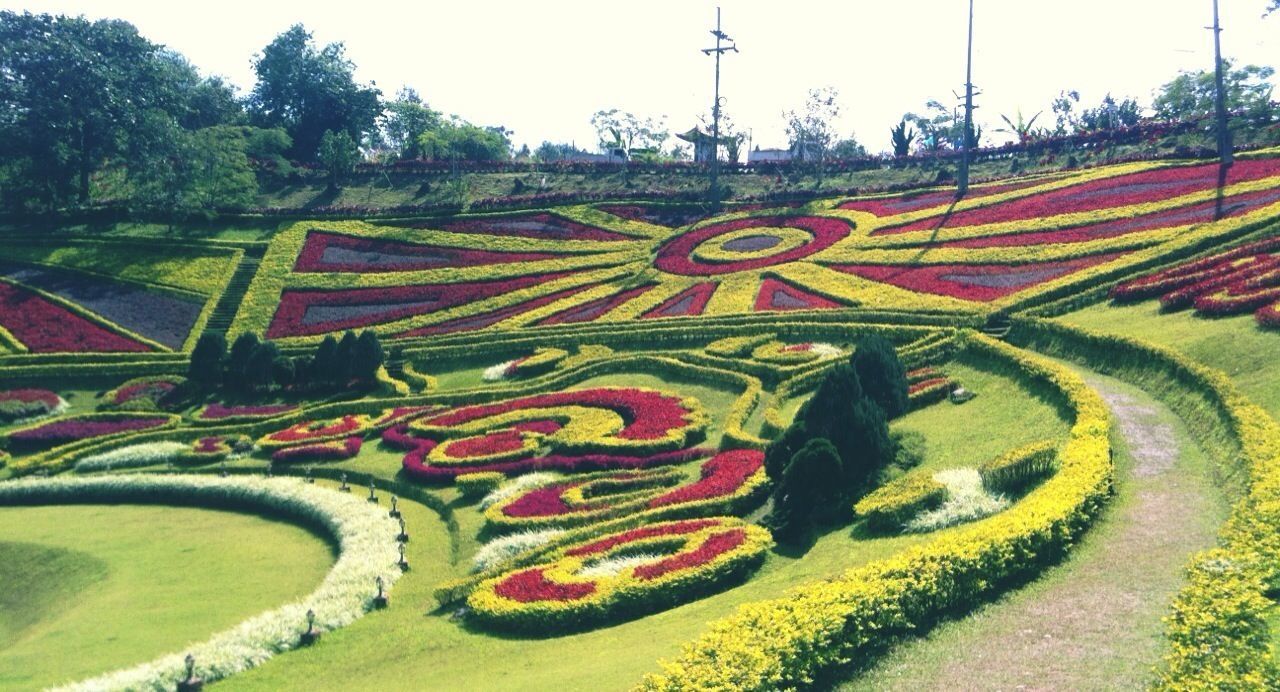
(748, 244)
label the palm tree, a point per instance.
(1022, 128)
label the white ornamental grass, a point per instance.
(497, 552)
(967, 500)
(367, 550)
(613, 566)
(822, 350)
(517, 485)
(133, 456)
(497, 372)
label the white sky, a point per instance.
(542, 68)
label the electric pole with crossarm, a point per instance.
(967, 136)
(1220, 96)
(719, 50)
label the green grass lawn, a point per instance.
(1236, 346)
(411, 644)
(89, 589)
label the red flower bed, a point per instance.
(415, 461)
(336, 450)
(595, 309)
(691, 301)
(675, 256)
(930, 383)
(499, 441)
(32, 396)
(1204, 212)
(977, 282)
(142, 389)
(1118, 191)
(722, 475)
(46, 327)
(679, 528)
(914, 201)
(776, 294)
(474, 322)
(539, 225)
(309, 430)
(218, 411)
(334, 252)
(649, 414)
(1228, 283)
(715, 545)
(529, 586)
(304, 312)
(82, 428)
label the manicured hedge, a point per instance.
(1013, 471)
(785, 642)
(892, 505)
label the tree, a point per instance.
(730, 138)
(366, 356)
(779, 452)
(902, 136)
(342, 358)
(811, 129)
(1067, 122)
(1110, 115)
(324, 363)
(459, 140)
(404, 122)
(78, 95)
(309, 91)
(1023, 128)
(808, 492)
(260, 368)
(617, 129)
(1190, 95)
(206, 359)
(548, 152)
(338, 154)
(848, 149)
(237, 360)
(881, 373)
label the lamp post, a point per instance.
(719, 50)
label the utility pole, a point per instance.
(1220, 97)
(719, 50)
(963, 185)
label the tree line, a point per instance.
(94, 106)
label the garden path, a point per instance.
(1093, 622)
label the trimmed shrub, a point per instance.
(1013, 471)
(478, 484)
(883, 377)
(892, 505)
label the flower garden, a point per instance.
(566, 472)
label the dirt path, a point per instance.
(1093, 622)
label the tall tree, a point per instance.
(618, 129)
(1189, 96)
(309, 91)
(404, 122)
(811, 128)
(76, 94)
(338, 154)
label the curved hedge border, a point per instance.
(365, 536)
(1218, 633)
(785, 642)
